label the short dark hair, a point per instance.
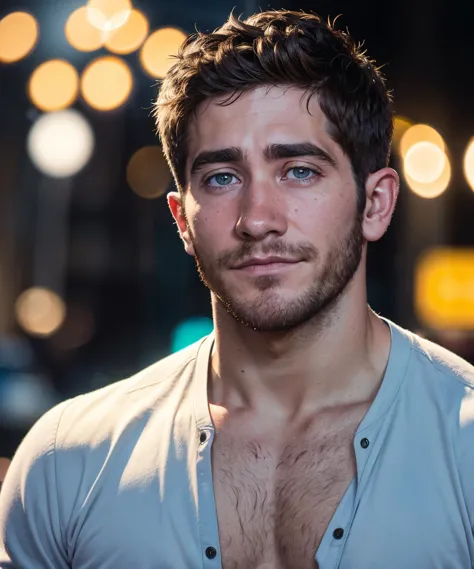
(281, 47)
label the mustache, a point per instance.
(230, 257)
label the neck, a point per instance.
(336, 359)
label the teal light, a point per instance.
(190, 331)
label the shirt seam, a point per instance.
(441, 369)
(64, 540)
(154, 382)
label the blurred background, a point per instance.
(94, 282)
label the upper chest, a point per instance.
(276, 492)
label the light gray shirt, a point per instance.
(121, 477)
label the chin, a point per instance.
(274, 311)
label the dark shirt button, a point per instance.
(211, 552)
(338, 533)
(364, 443)
(203, 437)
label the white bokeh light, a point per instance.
(60, 144)
(108, 15)
(424, 162)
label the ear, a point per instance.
(381, 190)
(177, 211)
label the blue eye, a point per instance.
(301, 173)
(222, 179)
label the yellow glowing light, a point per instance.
(130, 36)
(468, 164)
(147, 172)
(106, 83)
(400, 126)
(40, 311)
(157, 53)
(81, 34)
(444, 288)
(420, 133)
(424, 162)
(18, 36)
(107, 15)
(54, 85)
(433, 189)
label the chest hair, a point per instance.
(275, 498)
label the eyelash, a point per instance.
(316, 173)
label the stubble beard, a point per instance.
(269, 312)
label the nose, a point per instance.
(262, 213)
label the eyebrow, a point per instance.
(272, 152)
(232, 154)
(278, 151)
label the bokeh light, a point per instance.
(18, 36)
(400, 126)
(24, 397)
(426, 166)
(444, 288)
(77, 330)
(60, 144)
(147, 172)
(420, 133)
(107, 15)
(468, 164)
(40, 311)
(54, 85)
(156, 55)
(424, 162)
(190, 331)
(433, 189)
(130, 36)
(81, 34)
(106, 83)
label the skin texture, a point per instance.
(299, 356)
(263, 211)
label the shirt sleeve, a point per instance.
(465, 453)
(31, 535)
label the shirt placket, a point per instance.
(208, 526)
(332, 545)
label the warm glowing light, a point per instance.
(468, 164)
(81, 34)
(420, 133)
(107, 15)
(106, 83)
(157, 53)
(147, 172)
(130, 36)
(54, 85)
(18, 36)
(400, 126)
(433, 189)
(60, 144)
(444, 288)
(40, 311)
(424, 162)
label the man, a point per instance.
(306, 431)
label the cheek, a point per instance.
(211, 224)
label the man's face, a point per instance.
(271, 208)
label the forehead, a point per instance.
(260, 117)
